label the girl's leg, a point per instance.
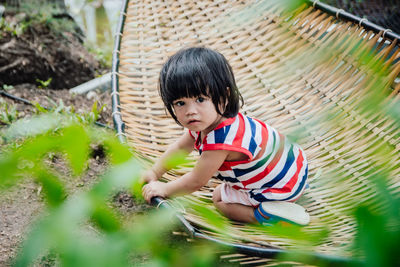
(234, 211)
(279, 210)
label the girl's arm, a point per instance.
(206, 167)
(184, 143)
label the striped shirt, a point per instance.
(276, 169)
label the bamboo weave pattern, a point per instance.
(303, 76)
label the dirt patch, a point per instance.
(18, 208)
(32, 51)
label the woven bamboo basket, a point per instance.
(302, 72)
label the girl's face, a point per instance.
(197, 113)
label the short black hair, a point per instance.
(196, 71)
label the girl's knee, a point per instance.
(216, 197)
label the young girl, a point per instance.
(261, 170)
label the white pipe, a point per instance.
(103, 83)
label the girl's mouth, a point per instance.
(193, 121)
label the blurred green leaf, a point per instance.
(8, 166)
(176, 159)
(105, 218)
(121, 176)
(119, 153)
(212, 217)
(378, 240)
(53, 188)
(146, 231)
(304, 239)
(75, 143)
(29, 127)
(136, 190)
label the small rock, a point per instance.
(91, 95)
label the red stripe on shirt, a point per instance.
(270, 166)
(263, 145)
(238, 140)
(288, 187)
(226, 122)
(190, 132)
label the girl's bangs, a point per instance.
(185, 85)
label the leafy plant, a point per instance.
(90, 117)
(95, 112)
(44, 84)
(7, 87)
(15, 28)
(8, 113)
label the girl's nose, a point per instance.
(191, 109)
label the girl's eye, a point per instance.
(179, 103)
(201, 99)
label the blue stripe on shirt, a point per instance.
(253, 144)
(221, 134)
(289, 161)
(240, 172)
(228, 179)
(303, 180)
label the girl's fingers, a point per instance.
(145, 192)
(149, 196)
(150, 190)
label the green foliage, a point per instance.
(41, 109)
(60, 108)
(378, 233)
(43, 135)
(8, 113)
(7, 87)
(44, 84)
(212, 217)
(179, 158)
(16, 29)
(31, 13)
(42, 14)
(82, 230)
(95, 112)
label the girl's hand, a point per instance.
(149, 176)
(154, 189)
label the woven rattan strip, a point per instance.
(266, 58)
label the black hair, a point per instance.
(196, 71)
